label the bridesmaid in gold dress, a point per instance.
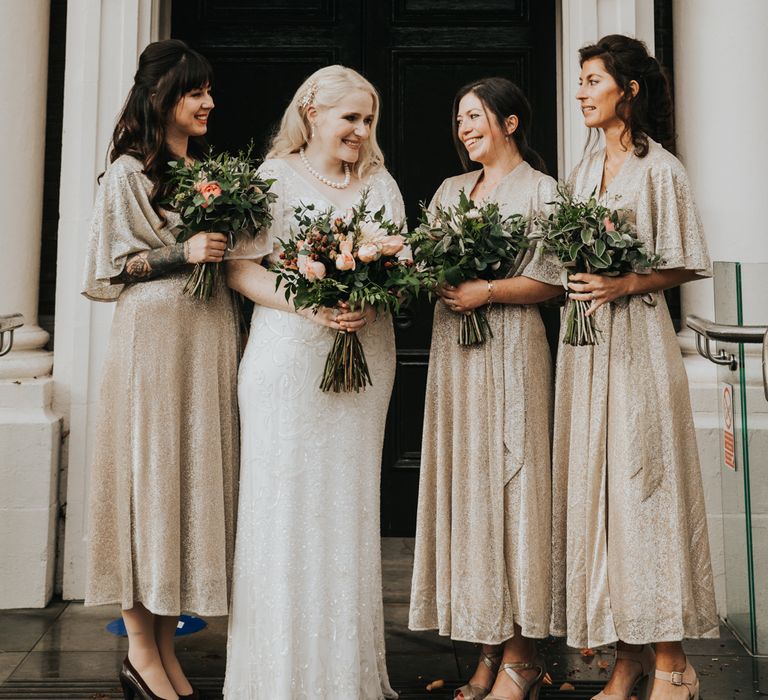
(163, 482)
(631, 549)
(482, 561)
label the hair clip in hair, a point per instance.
(309, 96)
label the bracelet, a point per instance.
(490, 293)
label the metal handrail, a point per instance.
(708, 331)
(8, 324)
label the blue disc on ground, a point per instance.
(188, 624)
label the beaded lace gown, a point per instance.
(307, 616)
(630, 545)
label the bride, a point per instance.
(307, 618)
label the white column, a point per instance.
(584, 22)
(721, 97)
(104, 40)
(29, 431)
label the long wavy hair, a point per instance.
(167, 71)
(323, 89)
(649, 113)
(502, 99)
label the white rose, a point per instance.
(473, 214)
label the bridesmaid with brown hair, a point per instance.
(163, 483)
(631, 550)
(482, 560)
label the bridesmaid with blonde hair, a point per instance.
(631, 549)
(482, 560)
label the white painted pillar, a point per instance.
(584, 22)
(104, 40)
(721, 97)
(29, 431)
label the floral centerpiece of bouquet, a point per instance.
(223, 194)
(360, 258)
(588, 237)
(468, 241)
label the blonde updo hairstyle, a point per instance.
(323, 89)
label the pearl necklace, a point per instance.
(322, 178)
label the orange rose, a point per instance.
(209, 191)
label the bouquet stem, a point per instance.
(580, 329)
(346, 368)
(474, 328)
(202, 281)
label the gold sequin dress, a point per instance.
(482, 558)
(631, 551)
(163, 478)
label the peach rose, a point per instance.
(392, 245)
(368, 253)
(209, 191)
(315, 270)
(345, 261)
(609, 224)
(347, 244)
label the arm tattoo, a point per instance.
(153, 263)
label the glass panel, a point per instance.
(738, 581)
(740, 293)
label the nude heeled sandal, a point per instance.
(687, 679)
(647, 660)
(530, 687)
(478, 692)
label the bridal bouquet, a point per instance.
(360, 258)
(588, 237)
(463, 242)
(222, 194)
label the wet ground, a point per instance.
(64, 651)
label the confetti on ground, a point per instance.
(435, 685)
(567, 687)
(587, 653)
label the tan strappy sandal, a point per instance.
(687, 679)
(470, 691)
(530, 686)
(647, 660)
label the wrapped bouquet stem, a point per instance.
(588, 237)
(463, 242)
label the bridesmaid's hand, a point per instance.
(353, 321)
(206, 247)
(599, 289)
(467, 296)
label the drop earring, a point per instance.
(313, 132)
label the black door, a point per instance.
(417, 53)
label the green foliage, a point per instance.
(588, 237)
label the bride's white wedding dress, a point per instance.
(306, 619)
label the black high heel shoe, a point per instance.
(134, 686)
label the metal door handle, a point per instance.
(8, 324)
(708, 331)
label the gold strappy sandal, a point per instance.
(470, 691)
(530, 686)
(647, 660)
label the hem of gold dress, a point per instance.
(585, 642)
(156, 609)
(529, 631)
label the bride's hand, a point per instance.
(323, 316)
(353, 321)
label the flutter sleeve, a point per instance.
(264, 242)
(666, 205)
(123, 223)
(541, 266)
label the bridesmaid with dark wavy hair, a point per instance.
(164, 471)
(631, 550)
